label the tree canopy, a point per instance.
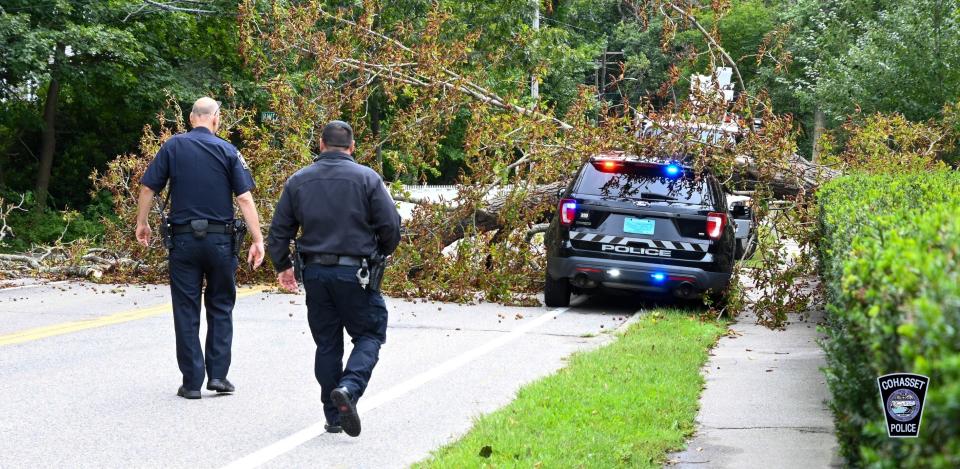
(119, 59)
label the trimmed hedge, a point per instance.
(888, 256)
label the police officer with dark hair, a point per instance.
(347, 220)
(205, 173)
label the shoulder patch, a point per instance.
(243, 162)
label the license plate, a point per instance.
(642, 226)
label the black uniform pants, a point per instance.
(193, 262)
(335, 301)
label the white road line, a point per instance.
(268, 453)
(33, 285)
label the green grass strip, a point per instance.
(624, 405)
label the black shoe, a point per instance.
(349, 418)
(332, 428)
(188, 394)
(220, 385)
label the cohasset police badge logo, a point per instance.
(902, 397)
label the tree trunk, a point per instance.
(795, 176)
(534, 83)
(798, 175)
(488, 218)
(818, 127)
(375, 100)
(49, 137)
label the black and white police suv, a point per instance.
(644, 225)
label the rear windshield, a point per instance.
(632, 184)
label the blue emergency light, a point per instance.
(658, 277)
(672, 170)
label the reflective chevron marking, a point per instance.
(623, 241)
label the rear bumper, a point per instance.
(635, 275)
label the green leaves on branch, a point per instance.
(889, 260)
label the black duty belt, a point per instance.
(211, 228)
(331, 259)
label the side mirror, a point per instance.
(740, 211)
(551, 213)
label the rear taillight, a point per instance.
(716, 221)
(568, 211)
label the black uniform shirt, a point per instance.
(203, 171)
(342, 207)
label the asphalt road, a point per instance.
(88, 378)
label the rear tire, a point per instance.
(718, 299)
(556, 292)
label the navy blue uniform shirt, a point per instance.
(204, 171)
(342, 207)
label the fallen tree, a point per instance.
(317, 65)
(388, 65)
(67, 262)
(515, 152)
(800, 176)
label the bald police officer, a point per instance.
(204, 173)
(345, 215)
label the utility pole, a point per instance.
(534, 84)
(602, 91)
(819, 125)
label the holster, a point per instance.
(378, 265)
(297, 259)
(166, 233)
(237, 235)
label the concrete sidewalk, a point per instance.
(764, 404)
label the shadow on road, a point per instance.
(620, 302)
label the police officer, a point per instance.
(204, 173)
(345, 215)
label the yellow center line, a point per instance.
(116, 318)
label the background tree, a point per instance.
(851, 56)
(56, 45)
(80, 78)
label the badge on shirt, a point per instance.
(243, 162)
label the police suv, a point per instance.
(652, 226)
